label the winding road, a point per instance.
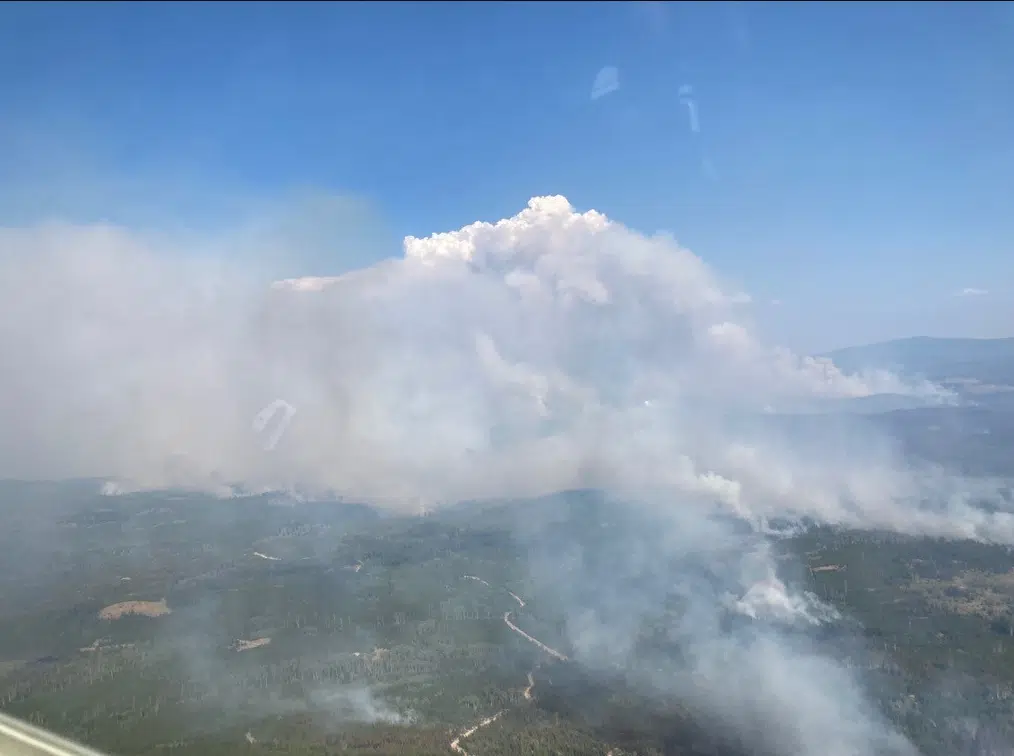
(536, 641)
(456, 743)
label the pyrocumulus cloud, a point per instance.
(551, 350)
(548, 350)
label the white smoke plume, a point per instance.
(768, 598)
(551, 350)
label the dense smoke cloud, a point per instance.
(551, 350)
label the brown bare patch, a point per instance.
(246, 645)
(146, 608)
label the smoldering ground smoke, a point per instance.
(551, 350)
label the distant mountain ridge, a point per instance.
(988, 361)
(979, 371)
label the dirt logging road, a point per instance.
(536, 641)
(456, 743)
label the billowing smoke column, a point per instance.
(551, 350)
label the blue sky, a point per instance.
(861, 154)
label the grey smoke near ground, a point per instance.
(694, 608)
(359, 704)
(551, 350)
(228, 685)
